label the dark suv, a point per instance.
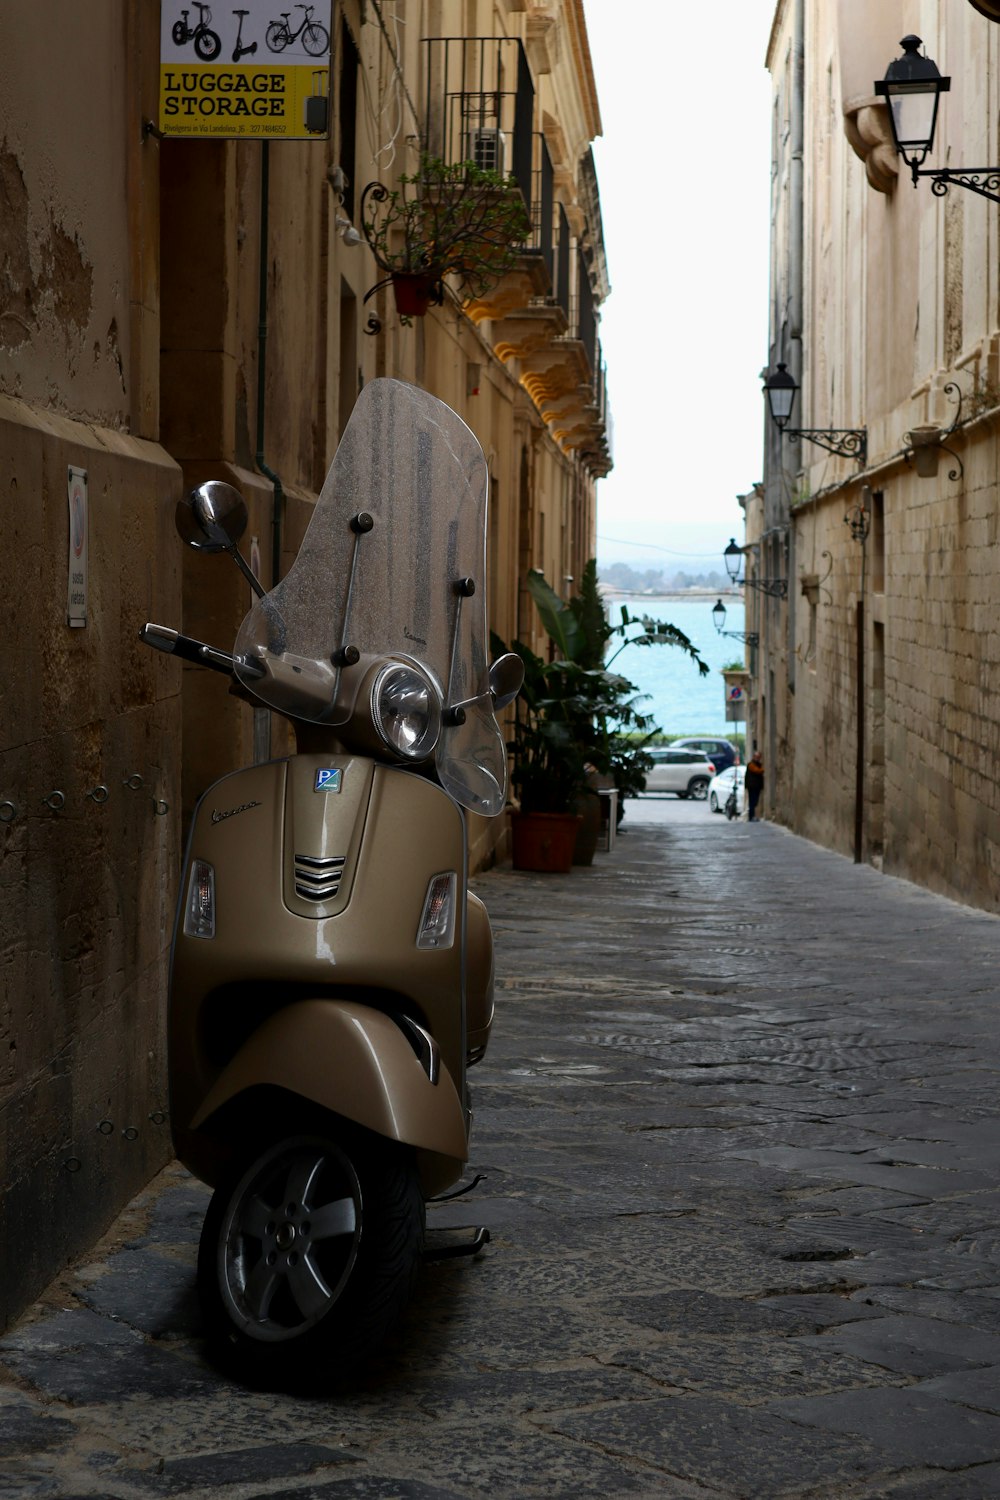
(721, 753)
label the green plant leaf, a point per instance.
(559, 622)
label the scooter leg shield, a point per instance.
(479, 978)
(354, 1061)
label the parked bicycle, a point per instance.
(241, 49)
(207, 43)
(315, 38)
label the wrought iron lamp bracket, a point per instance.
(845, 442)
(748, 637)
(775, 588)
(982, 180)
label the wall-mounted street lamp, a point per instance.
(749, 637)
(845, 442)
(913, 86)
(777, 588)
(859, 520)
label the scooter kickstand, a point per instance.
(480, 1238)
(459, 1192)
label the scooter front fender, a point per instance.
(354, 1061)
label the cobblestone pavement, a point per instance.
(741, 1129)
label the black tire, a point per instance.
(713, 802)
(287, 1305)
(316, 39)
(731, 808)
(208, 45)
(179, 33)
(698, 788)
(276, 36)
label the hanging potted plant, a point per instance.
(445, 220)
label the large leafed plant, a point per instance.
(574, 715)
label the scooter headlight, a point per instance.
(406, 711)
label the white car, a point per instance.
(720, 787)
(686, 773)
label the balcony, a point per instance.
(541, 318)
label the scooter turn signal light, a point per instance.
(437, 923)
(199, 914)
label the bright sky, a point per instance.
(684, 174)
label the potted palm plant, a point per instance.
(577, 720)
(549, 768)
(443, 220)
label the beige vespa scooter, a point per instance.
(332, 976)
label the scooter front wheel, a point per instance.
(308, 1255)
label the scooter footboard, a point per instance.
(354, 1061)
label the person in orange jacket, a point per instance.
(754, 784)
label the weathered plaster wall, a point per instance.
(64, 233)
(86, 887)
(86, 880)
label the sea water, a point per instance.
(681, 701)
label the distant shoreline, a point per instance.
(608, 591)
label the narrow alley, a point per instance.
(741, 1137)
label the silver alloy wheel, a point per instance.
(698, 788)
(713, 803)
(289, 1239)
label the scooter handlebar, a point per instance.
(162, 638)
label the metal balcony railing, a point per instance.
(479, 106)
(586, 320)
(543, 236)
(562, 259)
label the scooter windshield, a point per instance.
(392, 566)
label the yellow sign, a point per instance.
(253, 77)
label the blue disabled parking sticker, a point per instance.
(328, 780)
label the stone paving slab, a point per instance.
(914, 1426)
(740, 1126)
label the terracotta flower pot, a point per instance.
(544, 842)
(414, 292)
(926, 450)
(588, 805)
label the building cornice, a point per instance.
(777, 26)
(576, 26)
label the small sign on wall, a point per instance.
(76, 591)
(736, 698)
(243, 73)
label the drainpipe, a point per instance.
(278, 503)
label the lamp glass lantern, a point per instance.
(913, 86)
(719, 615)
(733, 556)
(780, 389)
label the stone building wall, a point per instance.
(130, 347)
(898, 329)
(89, 755)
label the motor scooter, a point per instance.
(332, 974)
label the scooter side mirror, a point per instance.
(211, 518)
(506, 677)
